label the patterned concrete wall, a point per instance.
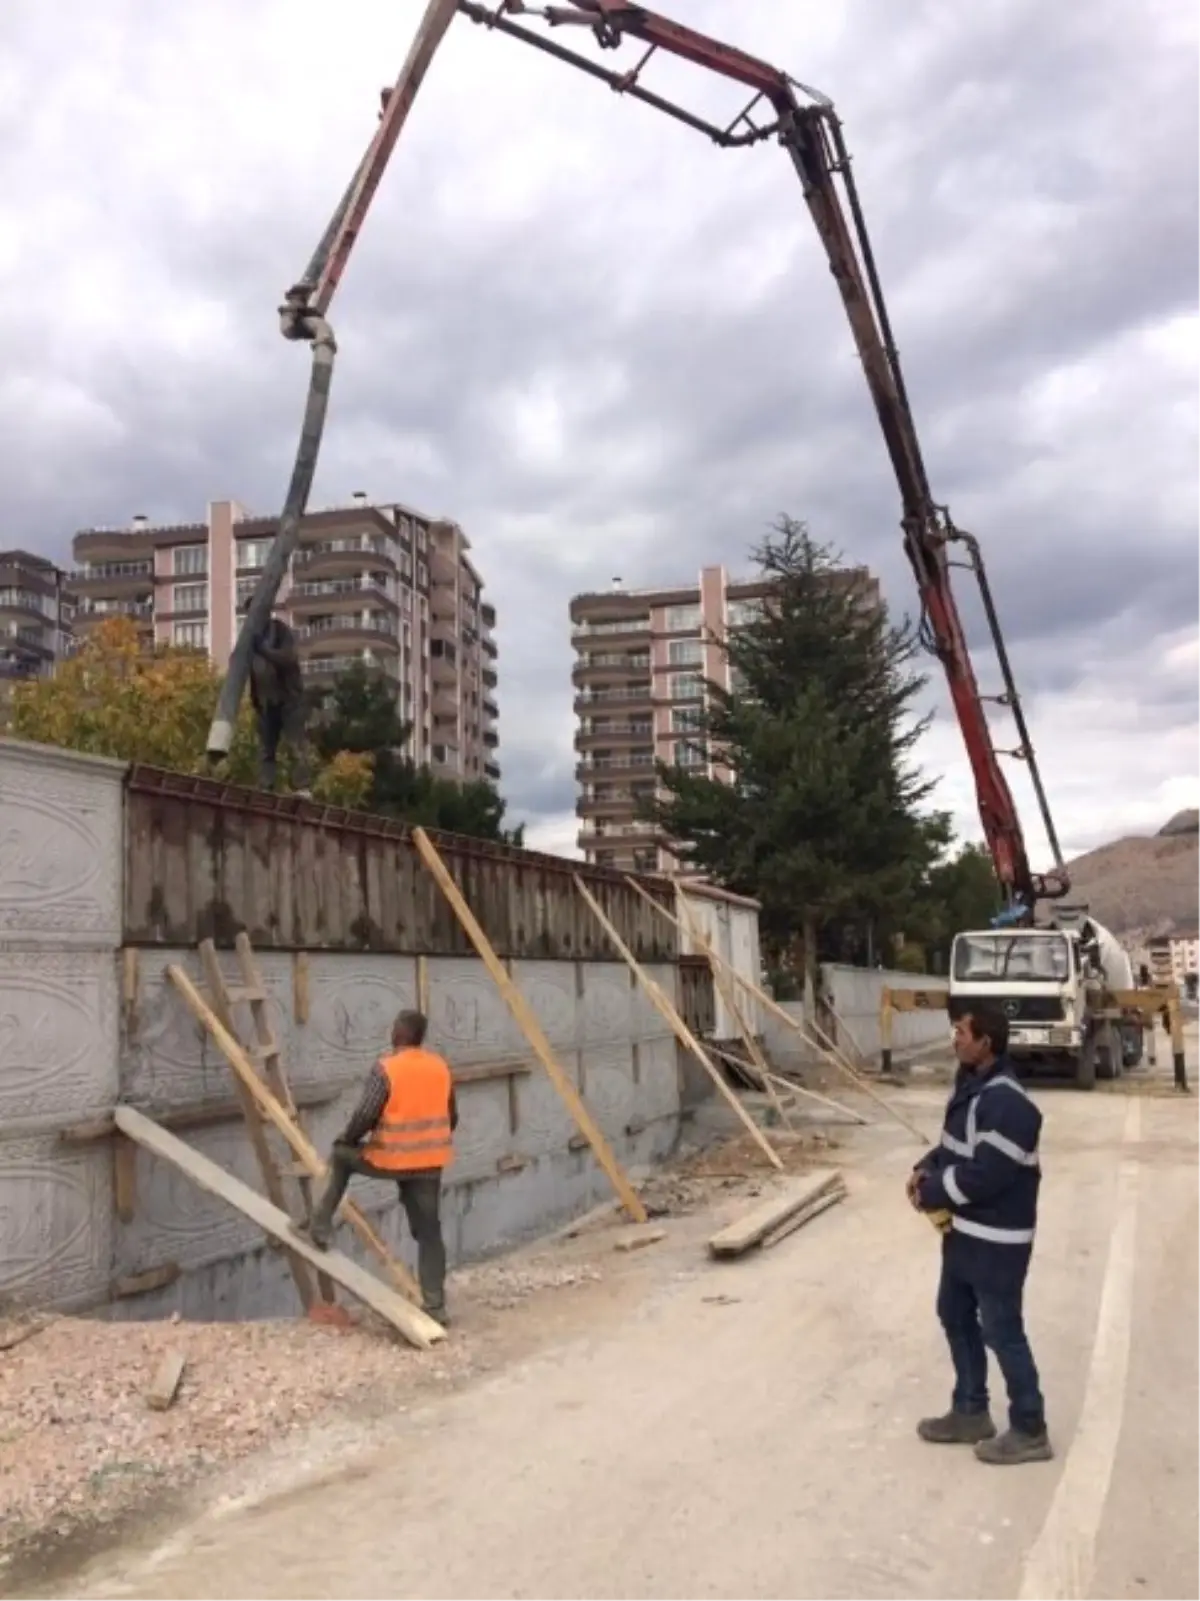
(856, 993)
(75, 1232)
(60, 927)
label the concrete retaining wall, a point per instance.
(76, 1037)
(855, 993)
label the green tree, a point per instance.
(960, 892)
(822, 820)
(359, 714)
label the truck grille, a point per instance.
(1017, 1008)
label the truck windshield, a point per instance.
(1017, 957)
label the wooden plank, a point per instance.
(255, 1128)
(129, 991)
(124, 1158)
(679, 1028)
(637, 1238)
(291, 1131)
(164, 1386)
(413, 1324)
(761, 1220)
(154, 1278)
(805, 1215)
(301, 988)
(524, 1016)
(205, 1114)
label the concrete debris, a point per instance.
(164, 1386)
(635, 1239)
(500, 1286)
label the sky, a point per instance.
(608, 348)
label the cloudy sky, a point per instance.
(606, 347)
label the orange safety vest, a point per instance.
(413, 1132)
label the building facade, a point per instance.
(376, 583)
(643, 658)
(36, 616)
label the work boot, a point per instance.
(957, 1428)
(318, 1231)
(1015, 1446)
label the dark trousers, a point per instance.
(975, 1319)
(278, 725)
(420, 1196)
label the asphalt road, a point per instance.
(761, 1443)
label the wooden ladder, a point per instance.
(264, 1052)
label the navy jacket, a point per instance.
(986, 1173)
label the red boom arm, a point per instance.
(804, 122)
(811, 133)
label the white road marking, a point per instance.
(1061, 1562)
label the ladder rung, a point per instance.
(244, 992)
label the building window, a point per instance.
(252, 553)
(687, 686)
(685, 652)
(245, 591)
(190, 597)
(686, 719)
(741, 613)
(682, 619)
(190, 561)
(190, 636)
(688, 753)
(422, 575)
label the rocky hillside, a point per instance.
(1144, 885)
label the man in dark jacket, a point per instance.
(985, 1174)
(277, 695)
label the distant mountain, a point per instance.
(1144, 886)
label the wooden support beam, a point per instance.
(526, 1020)
(418, 1329)
(843, 1066)
(301, 995)
(124, 1158)
(666, 1010)
(292, 1133)
(800, 1089)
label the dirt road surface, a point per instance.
(746, 1429)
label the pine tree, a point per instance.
(821, 822)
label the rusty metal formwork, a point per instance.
(205, 859)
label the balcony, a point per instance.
(615, 627)
(624, 762)
(380, 628)
(490, 708)
(614, 730)
(334, 666)
(349, 553)
(113, 574)
(491, 771)
(617, 694)
(613, 664)
(18, 638)
(312, 593)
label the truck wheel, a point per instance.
(1109, 1054)
(1085, 1070)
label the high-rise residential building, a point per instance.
(377, 583)
(36, 616)
(643, 658)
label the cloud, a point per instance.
(606, 347)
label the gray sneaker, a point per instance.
(1014, 1447)
(957, 1428)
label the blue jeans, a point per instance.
(975, 1319)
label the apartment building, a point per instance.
(36, 616)
(642, 661)
(377, 583)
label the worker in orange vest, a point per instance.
(401, 1130)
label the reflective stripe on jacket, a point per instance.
(413, 1132)
(986, 1170)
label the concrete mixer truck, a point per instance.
(1057, 983)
